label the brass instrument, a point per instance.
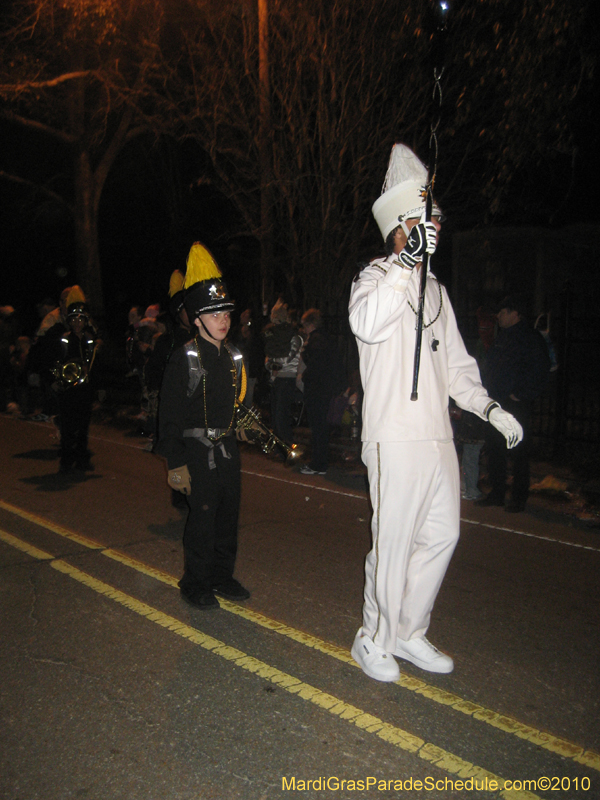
(73, 373)
(250, 428)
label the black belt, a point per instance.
(210, 437)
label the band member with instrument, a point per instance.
(71, 352)
(407, 446)
(202, 385)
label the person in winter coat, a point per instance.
(516, 371)
(323, 379)
(282, 354)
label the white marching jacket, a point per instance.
(384, 325)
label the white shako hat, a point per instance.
(404, 191)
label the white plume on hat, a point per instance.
(404, 191)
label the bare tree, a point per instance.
(349, 79)
(335, 110)
(517, 88)
(79, 74)
(346, 81)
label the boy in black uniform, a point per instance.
(197, 410)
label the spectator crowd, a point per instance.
(295, 374)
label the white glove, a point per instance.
(507, 425)
(422, 239)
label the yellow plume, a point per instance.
(201, 266)
(75, 295)
(176, 282)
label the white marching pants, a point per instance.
(415, 494)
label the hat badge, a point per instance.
(216, 292)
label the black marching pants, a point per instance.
(211, 530)
(75, 413)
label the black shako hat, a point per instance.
(205, 289)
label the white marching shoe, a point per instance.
(374, 660)
(423, 654)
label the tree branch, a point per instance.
(37, 187)
(40, 127)
(26, 86)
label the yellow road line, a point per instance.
(51, 526)
(502, 722)
(19, 544)
(443, 759)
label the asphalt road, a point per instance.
(113, 689)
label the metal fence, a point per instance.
(566, 417)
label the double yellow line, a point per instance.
(443, 759)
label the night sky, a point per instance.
(142, 241)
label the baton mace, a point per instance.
(442, 7)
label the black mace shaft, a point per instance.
(423, 285)
(442, 8)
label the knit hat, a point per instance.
(280, 312)
(404, 191)
(204, 289)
